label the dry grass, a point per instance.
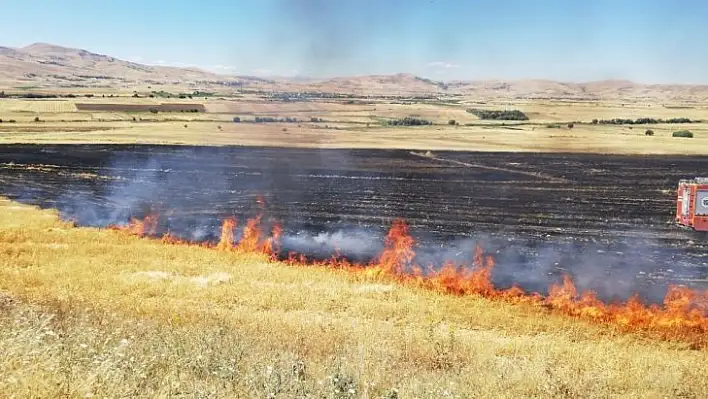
(87, 312)
(346, 126)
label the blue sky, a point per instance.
(647, 41)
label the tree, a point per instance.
(237, 119)
(451, 122)
(594, 121)
(36, 119)
(2, 94)
(649, 132)
(571, 125)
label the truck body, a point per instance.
(692, 203)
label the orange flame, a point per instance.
(398, 252)
(683, 316)
(226, 240)
(251, 236)
(272, 247)
(141, 228)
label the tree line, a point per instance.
(497, 115)
(641, 121)
(408, 121)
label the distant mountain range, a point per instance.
(46, 66)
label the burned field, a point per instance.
(606, 220)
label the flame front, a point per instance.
(683, 316)
(141, 228)
(226, 240)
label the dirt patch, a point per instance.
(7, 301)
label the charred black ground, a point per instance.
(606, 219)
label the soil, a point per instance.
(605, 219)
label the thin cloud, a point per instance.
(223, 67)
(442, 64)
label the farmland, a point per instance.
(358, 122)
(124, 316)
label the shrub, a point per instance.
(570, 126)
(0, 120)
(649, 132)
(683, 133)
(595, 121)
(154, 110)
(553, 126)
(409, 121)
(36, 119)
(451, 122)
(507, 115)
(237, 119)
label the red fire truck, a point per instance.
(692, 203)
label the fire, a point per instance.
(272, 247)
(251, 236)
(398, 252)
(141, 228)
(226, 240)
(684, 314)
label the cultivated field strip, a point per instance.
(533, 210)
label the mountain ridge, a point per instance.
(48, 66)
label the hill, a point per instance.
(47, 66)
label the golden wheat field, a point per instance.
(98, 313)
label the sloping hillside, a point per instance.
(48, 66)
